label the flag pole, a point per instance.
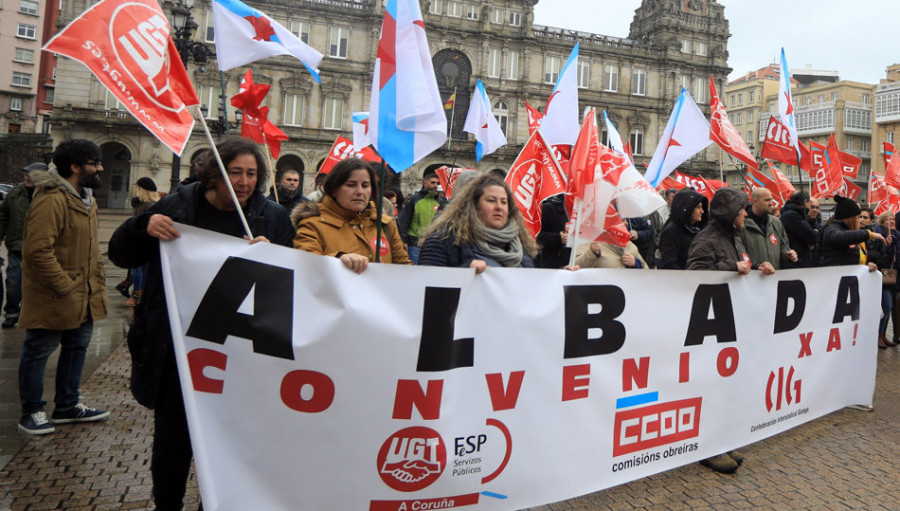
(215, 151)
(271, 167)
(379, 206)
(452, 111)
(573, 238)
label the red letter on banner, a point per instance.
(410, 393)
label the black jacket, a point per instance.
(718, 246)
(440, 249)
(150, 339)
(840, 245)
(678, 232)
(800, 234)
(554, 254)
(287, 200)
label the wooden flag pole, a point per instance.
(573, 238)
(271, 167)
(215, 151)
(452, 112)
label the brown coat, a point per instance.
(63, 279)
(610, 256)
(325, 228)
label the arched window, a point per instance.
(501, 113)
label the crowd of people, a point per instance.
(49, 224)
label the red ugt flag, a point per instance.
(133, 56)
(533, 177)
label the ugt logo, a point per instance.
(412, 459)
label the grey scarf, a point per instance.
(502, 245)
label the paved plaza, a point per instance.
(845, 460)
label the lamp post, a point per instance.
(184, 27)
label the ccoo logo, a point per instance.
(412, 459)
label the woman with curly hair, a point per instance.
(480, 227)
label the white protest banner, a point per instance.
(310, 387)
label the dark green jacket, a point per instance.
(772, 245)
(12, 217)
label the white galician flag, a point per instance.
(786, 102)
(687, 133)
(480, 121)
(245, 35)
(612, 136)
(560, 124)
(360, 130)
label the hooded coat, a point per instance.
(771, 245)
(718, 246)
(678, 231)
(63, 278)
(325, 228)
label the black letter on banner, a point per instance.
(271, 325)
(789, 290)
(579, 322)
(847, 300)
(720, 325)
(437, 349)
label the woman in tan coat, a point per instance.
(342, 224)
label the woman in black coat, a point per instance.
(154, 376)
(688, 216)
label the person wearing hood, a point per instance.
(63, 285)
(719, 247)
(763, 234)
(689, 214)
(802, 237)
(343, 224)
(12, 227)
(418, 213)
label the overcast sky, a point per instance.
(859, 38)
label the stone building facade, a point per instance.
(671, 44)
(887, 116)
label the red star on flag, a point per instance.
(790, 104)
(263, 28)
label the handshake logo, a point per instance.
(412, 459)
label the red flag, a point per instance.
(562, 153)
(756, 179)
(533, 177)
(892, 172)
(343, 149)
(722, 132)
(628, 152)
(255, 123)
(697, 183)
(849, 165)
(890, 203)
(447, 176)
(534, 118)
(878, 190)
(827, 172)
(250, 95)
(670, 183)
(889, 151)
(782, 184)
(777, 144)
(850, 189)
(128, 48)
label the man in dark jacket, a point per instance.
(718, 247)
(689, 215)
(552, 237)
(418, 212)
(802, 236)
(288, 190)
(763, 234)
(154, 376)
(641, 230)
(12, 225)
(843, 242)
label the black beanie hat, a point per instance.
(147, 184)
(845, 208)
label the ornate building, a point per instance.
(672, 44)
(887, 115)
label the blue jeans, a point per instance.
(414, 254)
(13, 286)
(137, 277)
(39, 344)
(887, 305)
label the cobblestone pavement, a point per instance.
(845, 460)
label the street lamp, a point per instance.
(221, 125)
(188, 49)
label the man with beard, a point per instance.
(63, 285)
(288, 190)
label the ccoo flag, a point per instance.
(406, 116)
(560, 123)
(480, 121)
(686, 134)
(246, 35)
